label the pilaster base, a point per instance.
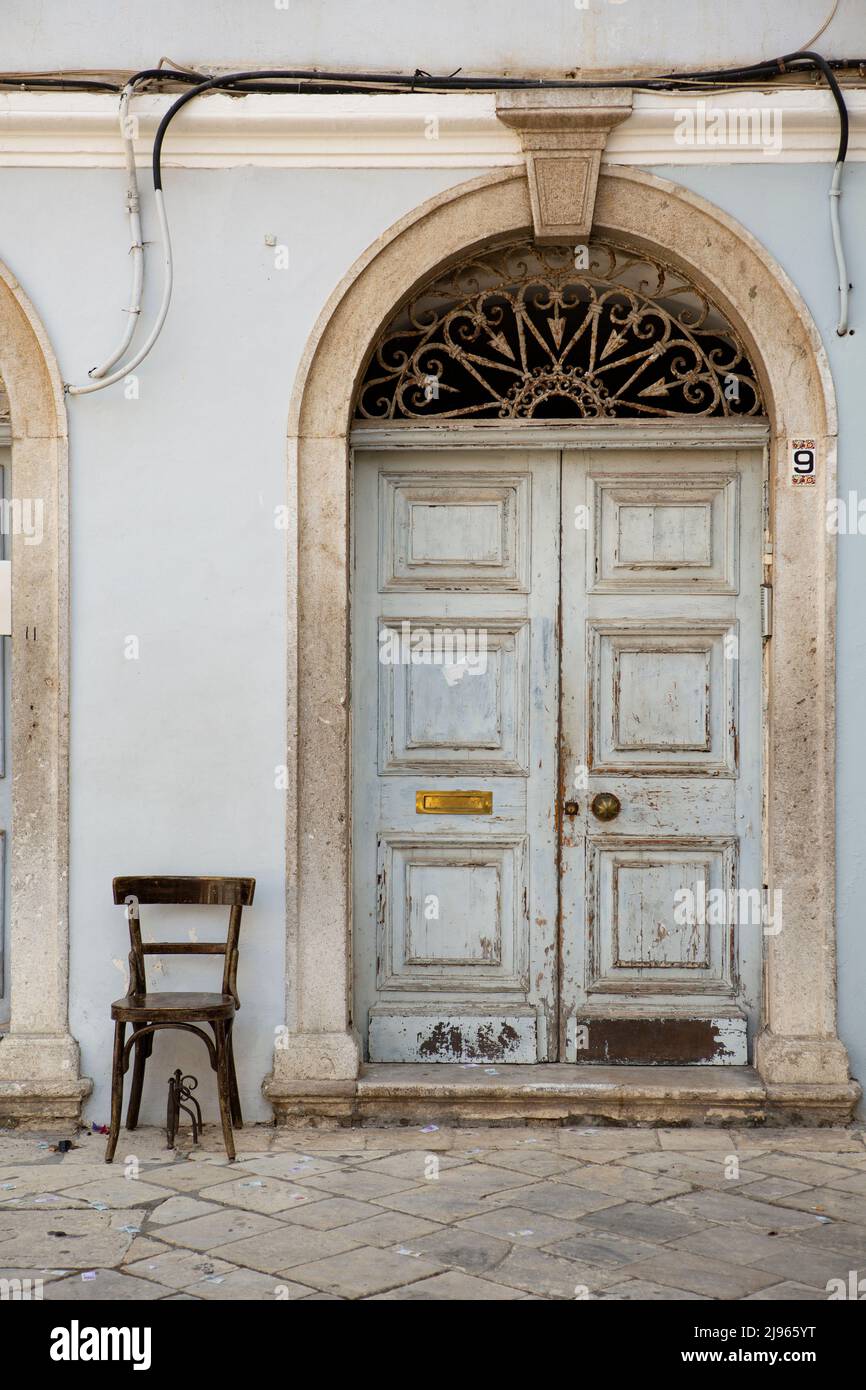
(40, 1082)
(320, 1057)
(790, 1061)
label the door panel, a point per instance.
(661, 655)
(539, 627)
(662, 697)
(455, 689)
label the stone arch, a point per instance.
(39, 1064)
(799, 1057)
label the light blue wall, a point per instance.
(512, 37)
(172, 503)
(785, 207)
(172, 536)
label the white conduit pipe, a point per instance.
(136, 248)
(102, 381)
(835, 195)
(160, 318)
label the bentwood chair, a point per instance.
(149, 1012)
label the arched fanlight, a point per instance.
(531, 332)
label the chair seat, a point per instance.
(158, 1008)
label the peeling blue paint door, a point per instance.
(534, 629)
(662, 904)
(455, 692)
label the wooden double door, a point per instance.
(557, 754)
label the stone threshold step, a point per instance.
(557, 1093)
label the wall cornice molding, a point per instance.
(62, 130)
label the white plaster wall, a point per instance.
(507, 36)
(786, 209)
(172, 540)
(172, 503)
(173, 494)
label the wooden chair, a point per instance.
(149, 1012)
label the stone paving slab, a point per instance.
(279, 1249)
(551, 1276)
(735, 1209)
(551, 1198)
(186, 1177)
(333, 1212)
(605, 1249)
(434, 1204)
(626, 1183)
(181, 1209)
(115, 1192)
(845, 1237)
(218, 1228)
(105, 1285)
(699, 1274)
(391, 1228)
(142, 1248)
(362, 1272)
(538, 1163)
(521, 1227)
(642, 1291)
(438, 1213)
(271, 1196)
(788, 1289)
(74, 1239)
(452, 1287)
(246, 1284)
(655, 1224)
(358, 1183)
(49, 1201)
(706, 1169)
(179, 1268)
(469, 1251)
(415, 1163)
(826, 1202)
(812, 1171)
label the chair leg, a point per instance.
(224, 1087)
(142, 1052)
(117, 1073)
(237, 1116)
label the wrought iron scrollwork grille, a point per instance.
(525, 331)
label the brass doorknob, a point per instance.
(606, 806)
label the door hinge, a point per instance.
(766, 610)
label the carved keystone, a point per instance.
(563, 134)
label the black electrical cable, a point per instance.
(829, 77)
(263, 80)
(65, 84)
(273, 81)
(424, 81)
(277, 80)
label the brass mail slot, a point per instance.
(453, 803)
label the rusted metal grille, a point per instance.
(524, 331)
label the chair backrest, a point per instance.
(234, 893)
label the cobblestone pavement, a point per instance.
(425, 1213)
